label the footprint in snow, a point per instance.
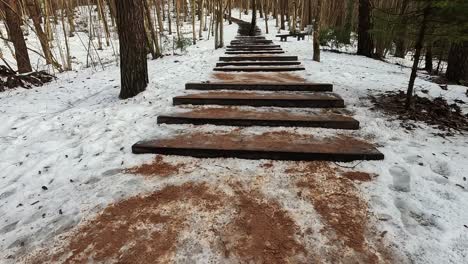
(441, 168)
(401, 179)
(413, 218)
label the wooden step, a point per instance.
(259, 58)
(253, 49)
(252, 46)
(307, 87)
(254, 52)
(237, 117)
(278, 99)
(274, 146)
(259, 69)
(249, 37)
(257, 63)
(252, 41)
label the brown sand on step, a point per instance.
(281, 77)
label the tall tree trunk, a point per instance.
(428, 59)
(230, 11)
(194, 30)
(153, 40)
(133, 64)
(349, 22)
(457, 68)
(253, 23)
(282, 9)
(400, 43)
(365, 42)
(417, 54)
(13, 21)
(318, 16)
(267, 16)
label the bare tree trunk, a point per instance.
(365, 42)
(417, 55)
(318, 16)
(13, 21)
(457, 69)
(428, 59)
(253, 23)
(194, 31)
(400, 43)
(133, 64)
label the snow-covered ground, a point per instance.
(64, 145)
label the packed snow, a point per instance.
(64, 145)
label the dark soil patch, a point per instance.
(158, 167)
(437, 112)
(10, 79)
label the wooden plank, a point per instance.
(259, 58)
(259, 69)
(257, 63)
(254, 49)
(259, 41)
(252, 46)
(278, 99)
(238, 117)
(307, 87)
(254, 52)
(274, 146)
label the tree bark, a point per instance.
(457, 68)
(253, 23)
(132, 37)
(318, 16)
(13, 22)
(417, 54)
(365, 42)
(429, 59)
(400, 43)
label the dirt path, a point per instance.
(323, 218)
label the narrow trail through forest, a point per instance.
(306, 210)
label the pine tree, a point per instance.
(132, 36)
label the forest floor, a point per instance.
(70, 188)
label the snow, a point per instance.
(73, 136)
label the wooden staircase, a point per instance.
(244, 104)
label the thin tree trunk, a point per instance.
(417, 55)
(400, 43)
(133, 64)
(318, 16)
(194, 31)
(429, 59)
